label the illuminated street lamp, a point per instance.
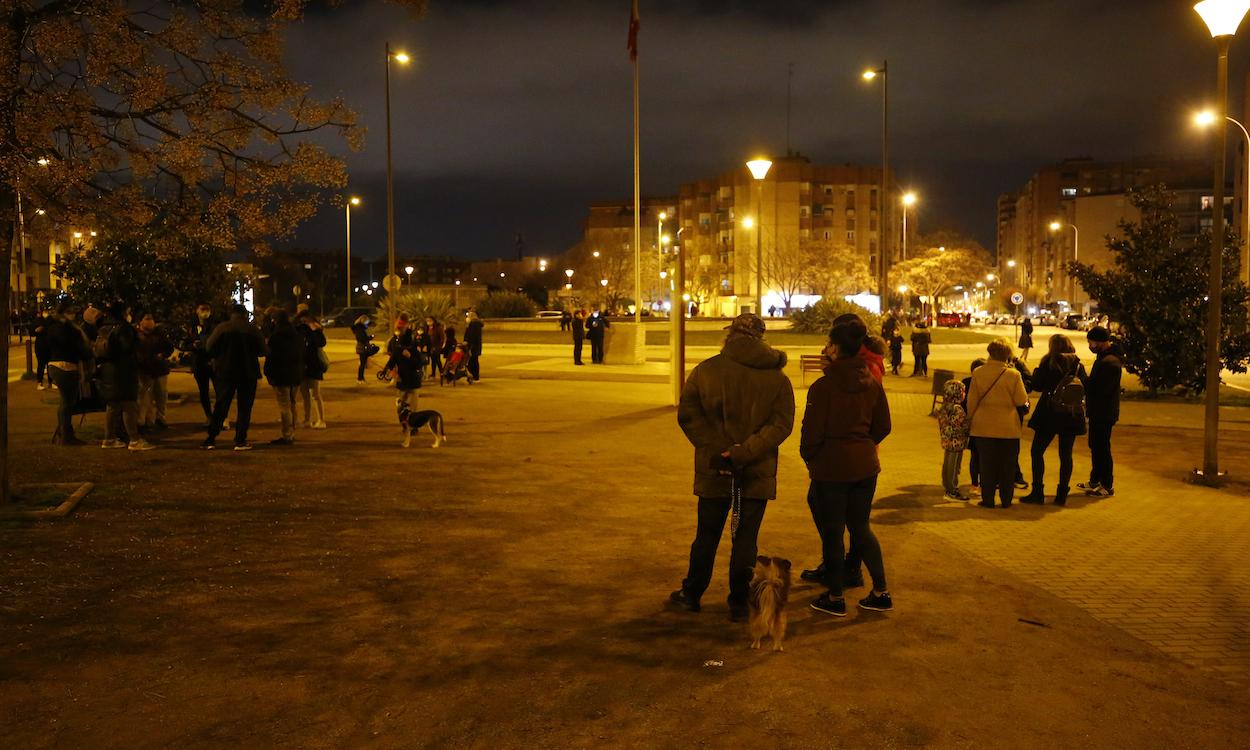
(883, 205)
(1222, 18)
(1205, 119)
(1011, 264)
(1056, 226)
(908, 200)
(759, 170)
(347, 209)
(408, 270)
(403, 59)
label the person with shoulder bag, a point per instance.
(994, 397)
(1060, 412)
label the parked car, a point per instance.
(345, 316)
(952, 319)
(1074, 322)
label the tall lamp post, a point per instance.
(401, 58)
(347, 211)
(1222, 18)
(908, 200)
(759, 170)
(883, 205)
(1206, 118)
(1057, 225)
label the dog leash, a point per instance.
(735, 505)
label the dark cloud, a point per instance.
(517, 114)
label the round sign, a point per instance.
(1016, 298)
(295, 290)
(392, 283)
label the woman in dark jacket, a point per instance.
(364, 345)
(117, 352)
(437, 339)
(1026, 338)
(404, 363)
(284, 369)
(847, 416)
(1058, 368)
(314, 370)
(920, 340)
(69, 355)
(473, 338)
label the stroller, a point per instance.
(457, 366)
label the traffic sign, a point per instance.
(1016, 298)
(391, 283)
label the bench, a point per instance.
(940, 379)
(810, 363)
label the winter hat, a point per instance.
(747, 324)
(1098, 334)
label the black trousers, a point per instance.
(436, 362)
(840, 506)
(1102, 469)
(67, 382)
(226, 392)
(203, 378)
(1037, 452)
(596, 350)
(712, 514)
(577, 351)
(364, 362)
(474, 367)
(1000, 458)
(922, 365)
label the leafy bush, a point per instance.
(818, 318)
(506, 305)
(418, 304)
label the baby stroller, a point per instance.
(457, 366)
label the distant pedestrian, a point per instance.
(772, 311)
(365, 348)
(953, 431)
(235, 346)
(736, 410)
(578, 326)
(896, 352)
(596, 331)
(996, 394)
(1102, 394)
(473, 339)
(566, 320)
(920, 340)
(284, 370)
(42, 380)
(1026, 338)
(436, 333)
(117, 357)
(1059, 413)
(155, 349)
(316, 363)
(69, 357)
(847, 416)
(889, 326)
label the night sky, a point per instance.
(516, 115)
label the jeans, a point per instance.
(67, 383)
(839, 506)
(204, 377)
(285, 394)
(922, 365)
(1102, 467)
(712, 514)
(310, 389)
(436, 362)
(577, 351)
(950, 471)
(153, 393)
(999, 460)
(596, 350)
(121, 415)
(1041, 441)
(364, 362)
(475, 367)
(226, 391)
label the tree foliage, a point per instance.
(418, 304)
(818, 318)
(506, 305)
(947, 260)
(835, 269)
(1157, 291)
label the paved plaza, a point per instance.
(507, 590)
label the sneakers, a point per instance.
(112, 443)
(830, 606)
(1086, 486)
(1021, 484)
(815, 575)
(282, 441)
(955, 496)
(208, 444)
(318, 425)
(243, 446)
(361, 382)
(40, 387)
(140, 445)
(875, 602)
(684, 600)
(1100, 492)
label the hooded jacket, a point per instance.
(847, 415)
(952, 418)
(1102, 390)
(738, 401)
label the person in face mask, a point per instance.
(201, 364)
(405, 362)
(154, 351)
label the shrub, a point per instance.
(506, 305)
(818, 318)
(418, 304)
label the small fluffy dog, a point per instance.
(770, 591)
(412, 421)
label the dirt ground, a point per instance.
(507, 591)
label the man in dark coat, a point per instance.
(736, 409)
(405, 362)
(596, 330)
(473, 339)
(285, 369)
(201, 363)
(235, 347)
(579, 334)
(117, 353)
(1102, 407)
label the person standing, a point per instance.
(437, 338)
(235, 347)
(1026, 338)
(284, 370)
(736, 410)
(579, 334)
(596, 330)
(404, 361)
(953, 431)
(920, 340)
(201, 363)
(1059, 413)
(994, 398)
(473, 339)
(117, 354)
(42, 379)
(566, 320)
(364, 345)
(69, 355)
(889, 326)
(314, 369)
(154, 351)
(1102, 398)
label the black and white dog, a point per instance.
(412, 421)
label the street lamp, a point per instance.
(1222, 18)
(908, 200)
(568, 272)
(403, 59)
(883, 205)
(1205, 119)
(408, 270)
(347, 209)
(1057, 225)
(759, 170)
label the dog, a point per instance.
(411, 422)
(770, 591)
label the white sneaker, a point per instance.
(140, 445)
(318, 425)
(40, 387)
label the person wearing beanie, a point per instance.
(1102, 407)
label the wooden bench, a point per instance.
(810, 363)
(940, 379)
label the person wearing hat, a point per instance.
(1102, 407)
(737, 409)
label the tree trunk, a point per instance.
(7, 231)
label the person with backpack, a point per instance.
(1059, 413)
(1103, 407)
(315, 365)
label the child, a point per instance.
(974, 459)
(896, 352)
(953, 430)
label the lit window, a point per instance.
(1068, 192)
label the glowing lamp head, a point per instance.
(909, 199)
(40, 212)
(748, 222)
(1055, 226)
(1222, 16)
(665, 239)
(663, 216)
(354, 201)
(1011, 264)
(603, 282)
(1204, 119)
(989, 277)
(401, 57)
(759, 168)
(870, 75)
(595, 253)
(408, 270)
(43, 161)
(568, 272)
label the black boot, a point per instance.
(1061, 495)
(1036, 496)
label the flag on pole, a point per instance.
(632, 44)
